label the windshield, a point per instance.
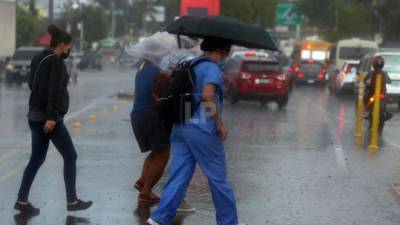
(354, 53)
(311, 67)
(350, 68)
(392, 63)
(25, 55)
(261, 67)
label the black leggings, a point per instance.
(40, 144)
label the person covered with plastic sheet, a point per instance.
(151, 132)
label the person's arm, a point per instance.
(387, 78)
(53, 94)
(208, 95)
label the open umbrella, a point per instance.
(239, 33)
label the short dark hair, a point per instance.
(210, 44)
(58, 36)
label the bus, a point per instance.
(311, 50)
(200, 7)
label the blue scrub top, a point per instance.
(206, 73)
(143, 88)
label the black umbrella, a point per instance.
(239, 33)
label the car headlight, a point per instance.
(9, 67)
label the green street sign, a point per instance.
(117, 12)
(288, 14)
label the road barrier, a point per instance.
(360, 106)
(376, 113)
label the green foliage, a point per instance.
(259, 12)
(27, 26)
(389, 13)
(338, 19)
(95, 23)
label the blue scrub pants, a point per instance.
(191, 146)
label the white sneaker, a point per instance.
(151, 222)
(185, 207)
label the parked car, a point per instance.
(109, 55)
(257, 79)
(248, 53)
(18, 69)
(126, 60)
(344, 81)
(310, 72)
(90, 60)
(392, 67)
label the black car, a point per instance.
(90, 60)
(310, 72)
(18, 69)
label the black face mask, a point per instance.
(65, 55)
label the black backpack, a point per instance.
(176, 103)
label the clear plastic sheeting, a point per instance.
(154, 48)
(169, 62)
(162, 50)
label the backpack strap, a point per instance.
(37, 70)
(193, 65)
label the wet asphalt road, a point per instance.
(296, 166)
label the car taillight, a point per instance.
(321, 76)
(245, 76)
(290, 69)
(281, 77)
(297, 69)
(300, 75)
(250, 54)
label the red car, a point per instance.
(256, 78)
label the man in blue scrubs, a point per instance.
(200, 141)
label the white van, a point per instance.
(350, 49)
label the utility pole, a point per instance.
(112, 13)
(336, 15)
(51, 11)
(81, 26)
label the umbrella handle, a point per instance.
(179, 37)
(179, 41)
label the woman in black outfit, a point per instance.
(48, 103)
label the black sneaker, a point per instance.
(79, 205)
(26, 208)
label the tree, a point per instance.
(27, 26)
(389, 12)
(258, 12)
(95, 22)
(96, 25)
(338, 19)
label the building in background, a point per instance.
(7, 28)
(200, 7)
